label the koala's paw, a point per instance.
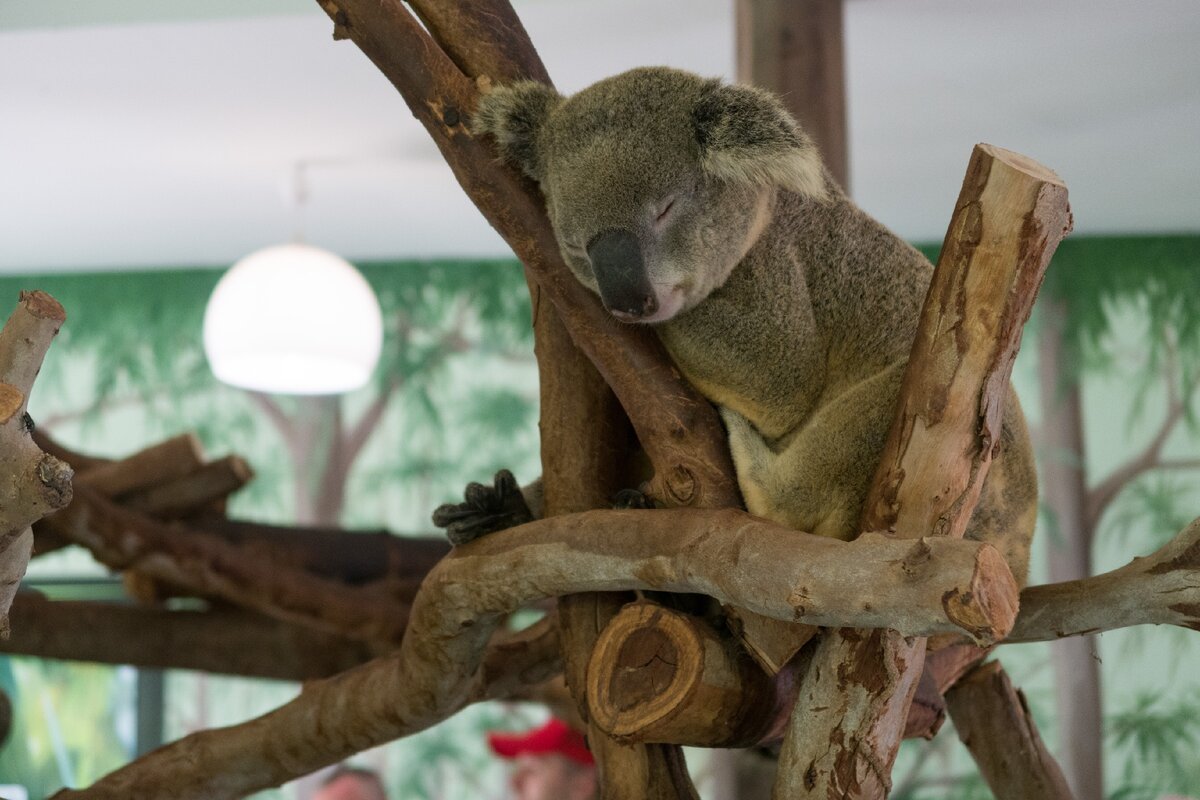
(631, 498)
(484, 510)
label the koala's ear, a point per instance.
(746, 135)
(515, 115)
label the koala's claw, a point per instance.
(631, 498)
(484, 510)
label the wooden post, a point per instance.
(1010, 216)
(794, 48)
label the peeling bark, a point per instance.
(1009, 218)
(32, 483)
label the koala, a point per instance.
(704, 210)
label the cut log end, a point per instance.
(658, 675)
(43, 306)
(987, 610)
(1022, 163)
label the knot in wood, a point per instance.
(451, 117)
(917, 557)
(681, 485)
(56, 476)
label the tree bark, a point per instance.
(993, 721)
(1160, 589)
(1069, 546)
(1011, 214)
(32, 483)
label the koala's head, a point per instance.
(657, 182)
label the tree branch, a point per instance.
(678, 428)
(441, 668)
(209, 566)
(223, 641)
(1160, 589)
(32, 482)
(1010, 216)
(993, 721)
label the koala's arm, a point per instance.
(817, 478)
(487, 509)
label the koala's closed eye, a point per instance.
(664, 210)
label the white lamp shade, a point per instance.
(293, 319)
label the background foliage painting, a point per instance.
(455, 397)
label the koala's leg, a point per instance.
(816, 478)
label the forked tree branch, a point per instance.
(679, 429)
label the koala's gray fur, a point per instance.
(704, 210)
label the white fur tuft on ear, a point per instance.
(514, 115)
(746, 135)
(799, 170)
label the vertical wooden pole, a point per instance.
(794, 48)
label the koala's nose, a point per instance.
(620, 272)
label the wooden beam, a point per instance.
(795, 49)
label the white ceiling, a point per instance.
(136, 133)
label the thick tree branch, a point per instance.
(1009, 217)
(726, 554)
(993, 721)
